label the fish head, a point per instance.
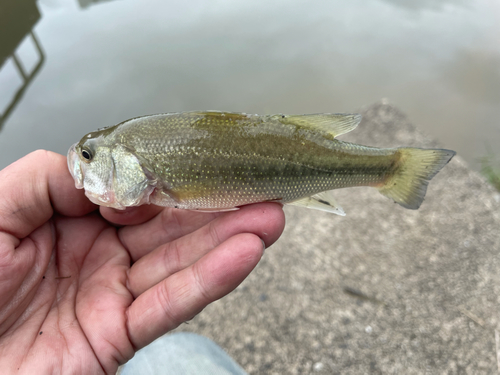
(111, 174)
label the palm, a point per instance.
(84, 295)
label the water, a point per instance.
(99, 63)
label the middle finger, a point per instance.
(264, 220)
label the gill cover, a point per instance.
(113, 177)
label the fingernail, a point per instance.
(263, 245)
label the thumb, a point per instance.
(35, 186)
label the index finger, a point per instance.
(35, 186)
(263, 219)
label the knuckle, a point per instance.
(213, 234)
(201, 285)
(171, 220)
(164, 298)
(172, 260)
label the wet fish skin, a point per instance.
(221, 160)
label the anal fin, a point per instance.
(323, 201)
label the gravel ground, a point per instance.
(383, 290)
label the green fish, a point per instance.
(218, 161)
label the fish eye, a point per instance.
(87, 154)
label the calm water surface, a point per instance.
(69, 67)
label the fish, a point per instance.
(219, 161)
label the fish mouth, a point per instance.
(75, 167)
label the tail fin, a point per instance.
(417, 166)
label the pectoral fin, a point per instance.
(215, 209)
(322, 201)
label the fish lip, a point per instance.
(107, 200)
(74, 166)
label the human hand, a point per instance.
(81, 295)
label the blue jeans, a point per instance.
(182, 353)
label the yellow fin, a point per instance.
(417, 167)
(215, 209)
(323, 201)
(333, 123)
(223, 115)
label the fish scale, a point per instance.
(221, 160)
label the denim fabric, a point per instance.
(182, 353)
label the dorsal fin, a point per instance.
(332, 123)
